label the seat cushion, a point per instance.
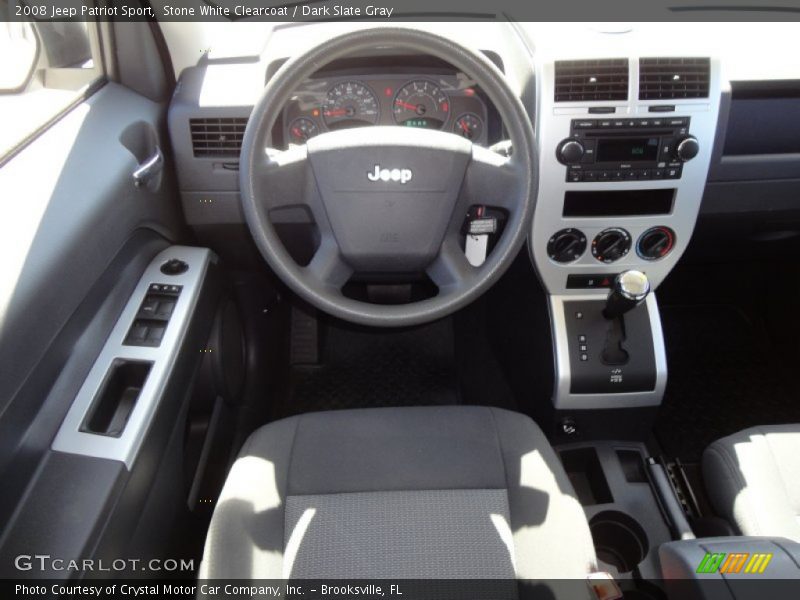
(427, 492)
(753, 480)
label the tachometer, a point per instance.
(421, 104)
(350, 104)
(301, 130)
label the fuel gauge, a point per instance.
(301, 130)
(469, 125)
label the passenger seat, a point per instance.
(753, 480)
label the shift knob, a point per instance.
(628, 291)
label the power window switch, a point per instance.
(136, 335)
(155, 334)
(149, 307)
(165, 308)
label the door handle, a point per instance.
(149, 168)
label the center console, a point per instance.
(625, 144)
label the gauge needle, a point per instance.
(339, 112)
(297, 132)
(463, 126)
(405, 104)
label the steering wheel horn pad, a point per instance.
(387, 199)
(389, 193)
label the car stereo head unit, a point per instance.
(627, 149)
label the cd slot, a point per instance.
(628, 133)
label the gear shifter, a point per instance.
(629, 290)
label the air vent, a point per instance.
(670, 78)
(587, 80)
(217, 136)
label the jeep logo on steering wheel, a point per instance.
(398, 175)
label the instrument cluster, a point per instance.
(442, 102)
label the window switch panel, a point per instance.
(153, 315)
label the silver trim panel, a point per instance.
(553, 125)
(563, 399)
(126, 447)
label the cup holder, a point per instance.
(619, 540)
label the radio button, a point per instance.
(584, 124)
(645, 174)
(678, 122)
(590, 176)
(658, 174)
(575, 176)
(673, 173)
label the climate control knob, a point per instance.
(611, 244)
(655, 243)
(570, 151)
(566, 245)
(686, 148)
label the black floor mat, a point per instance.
(724, 376)
(363, 367)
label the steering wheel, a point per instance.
(388, 199)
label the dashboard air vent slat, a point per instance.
(217, 136)
(673, 78)
(591, 80)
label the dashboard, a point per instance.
(447, 102)
(626, 169)
(642, 149)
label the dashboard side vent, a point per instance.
(588, 80)
(217, 136)
(671, 78)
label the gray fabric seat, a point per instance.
(753, 480)
(428, 492)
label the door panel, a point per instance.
(75, 236)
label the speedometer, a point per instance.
(421, 104)
(350, 104)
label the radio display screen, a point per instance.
(627, 149)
